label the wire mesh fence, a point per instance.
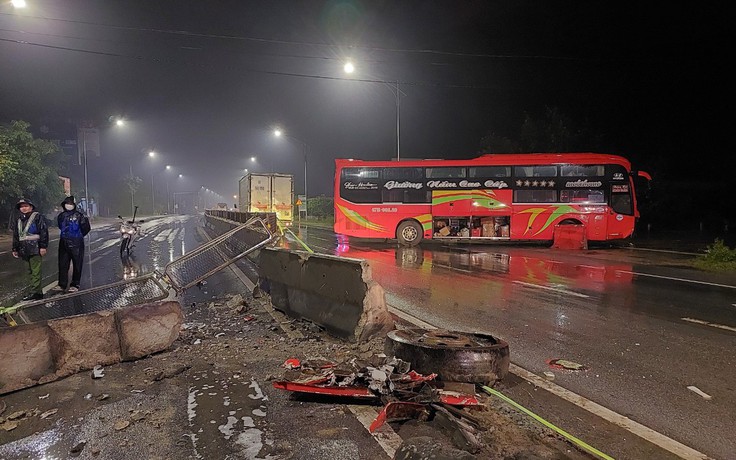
(217, 254)
(179, 275)
(148, 288)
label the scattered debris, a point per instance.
(405, 393)
(121, 425)
(88, 396)
(292, 363)
(42, 397)
(9, 425)
(699, 392)
(3, 406)
(565, 364)
(49, 413)
(98, 372)
(172, 371)
(76, 450)
(248, 318)
(103, 397)
(137, 391)
(549, 375)
(17, 415)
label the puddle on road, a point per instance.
(227, 416)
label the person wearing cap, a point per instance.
(74, 226)
(30, 240)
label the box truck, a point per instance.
(268, 192)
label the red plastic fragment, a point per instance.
(352, 392)
(454, 398)
(292, 363)
(396, 410)
(248, 318)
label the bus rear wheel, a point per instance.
(409, 233)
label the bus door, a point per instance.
(621, 221)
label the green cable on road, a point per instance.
(549, 425)
(301, 242)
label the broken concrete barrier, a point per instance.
(336, 293)
(45, 351)
(149, 328)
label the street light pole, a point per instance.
(398, 117)
(132, 201)
(277, 132)
(86, 189)
(153, 197)
(349, 68)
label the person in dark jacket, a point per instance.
(74, 226)
(30, 240)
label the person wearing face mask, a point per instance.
(30, 240)
(74, 226)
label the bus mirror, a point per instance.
(643, 174)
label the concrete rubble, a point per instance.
(211, 395)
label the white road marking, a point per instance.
(561, 291)
(678, 279)
(658, 439)
(706, 323)
(667, 251)
(50, 286)
(387, 438)
(95, 260)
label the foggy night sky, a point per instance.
(204, 82)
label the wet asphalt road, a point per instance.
(619, 312)
(633, 317)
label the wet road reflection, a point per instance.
(618, 311)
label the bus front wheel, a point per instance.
(409, 233)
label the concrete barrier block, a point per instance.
(333, 292)
(25, 356)
(82, 342)
(148, 328)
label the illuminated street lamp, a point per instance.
(349, 68)
(278, 133)
(19, 3)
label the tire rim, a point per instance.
(409, 233)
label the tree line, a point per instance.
(28, 169)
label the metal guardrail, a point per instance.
(126, 293)
(236, 216)
(217, 254)
(183, 273)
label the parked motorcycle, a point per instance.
(129, 232)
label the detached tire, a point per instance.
(409, 233)
(453, 356)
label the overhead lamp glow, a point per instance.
(277, 132)
(120, 122)
(349, 67)
(19, 3)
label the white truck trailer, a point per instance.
(268, 192)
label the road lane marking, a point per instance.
(561, 291)
(646, 433)
(678, 279)
(386, 437)
(706, 323)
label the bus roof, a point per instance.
(506, 159)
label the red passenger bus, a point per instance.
(495, 197)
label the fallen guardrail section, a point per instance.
(126, 320)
